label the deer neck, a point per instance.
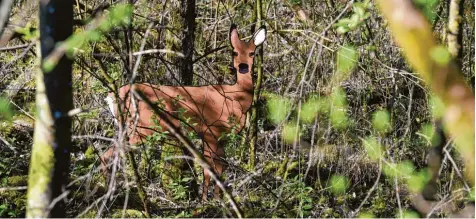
(244, 84)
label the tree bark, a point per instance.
(50, 160)
(188, 15)
(453, 28)
(257, 89)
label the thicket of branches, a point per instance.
(332, 73)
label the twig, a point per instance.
(17, 188)
(370, 191)
(14, 47)
(151, 51)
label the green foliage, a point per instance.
(5, 112)
(305, 201)
(399, 170)
(290, 132)
(381, 121)
(315, 105)
(338, 113)
(366, 215)
(28, 32)
(347, 57)
(339, 184)
(410, 214)
(418, 180)
(437, 106)
(360, 14)
(427, 132)
(278, 108)
(428, 7)
(7, 211)
(440, 55)
(180, 188)
(373, 148)
(117, 16)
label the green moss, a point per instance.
(129, 213)
(17, 180)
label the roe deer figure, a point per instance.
(210, 108)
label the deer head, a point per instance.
(244, 53)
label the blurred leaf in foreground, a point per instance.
(312, 107)
(339, 184)
(339, 108)
(347, 57)
(381, 121)
(5, 112)
(373, 148)
(278, 108)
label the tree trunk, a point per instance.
(50, 160)
(259, 78)
(453, 28)
(188, 15)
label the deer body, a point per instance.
(210, 110)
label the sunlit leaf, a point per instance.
(5, 112)
(381, 121)
(440, 55)
(366, 215)
(338, 113)
(437, 106)
(278, 108)
(428, 7)
(347, 58)
(290, 133)
(373, 148)
(427, 132)
(339, 184)
(417, 181)
(312, 107)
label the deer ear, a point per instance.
(234, 38)
(260, 36)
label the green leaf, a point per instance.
(440, 55)
(347, 58)
(312, 107)
(358, 8)
(366, 215)
(339, 184)
(381, 121)
(290, 133)
(428, 7)
(342, 29)
(427, 132)
(410, 214)
(417, 181)
(5, 112)
(373, 148)
(437, 106)
(338, 113)
(278, 108)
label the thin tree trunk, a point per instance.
(188, 15)
(50, 160)
(259, 78)
(453, 28)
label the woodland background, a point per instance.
(331, 71)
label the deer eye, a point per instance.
(252, 54)
(234, 53)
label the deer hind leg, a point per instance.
(214, 154)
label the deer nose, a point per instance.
(243, 68)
